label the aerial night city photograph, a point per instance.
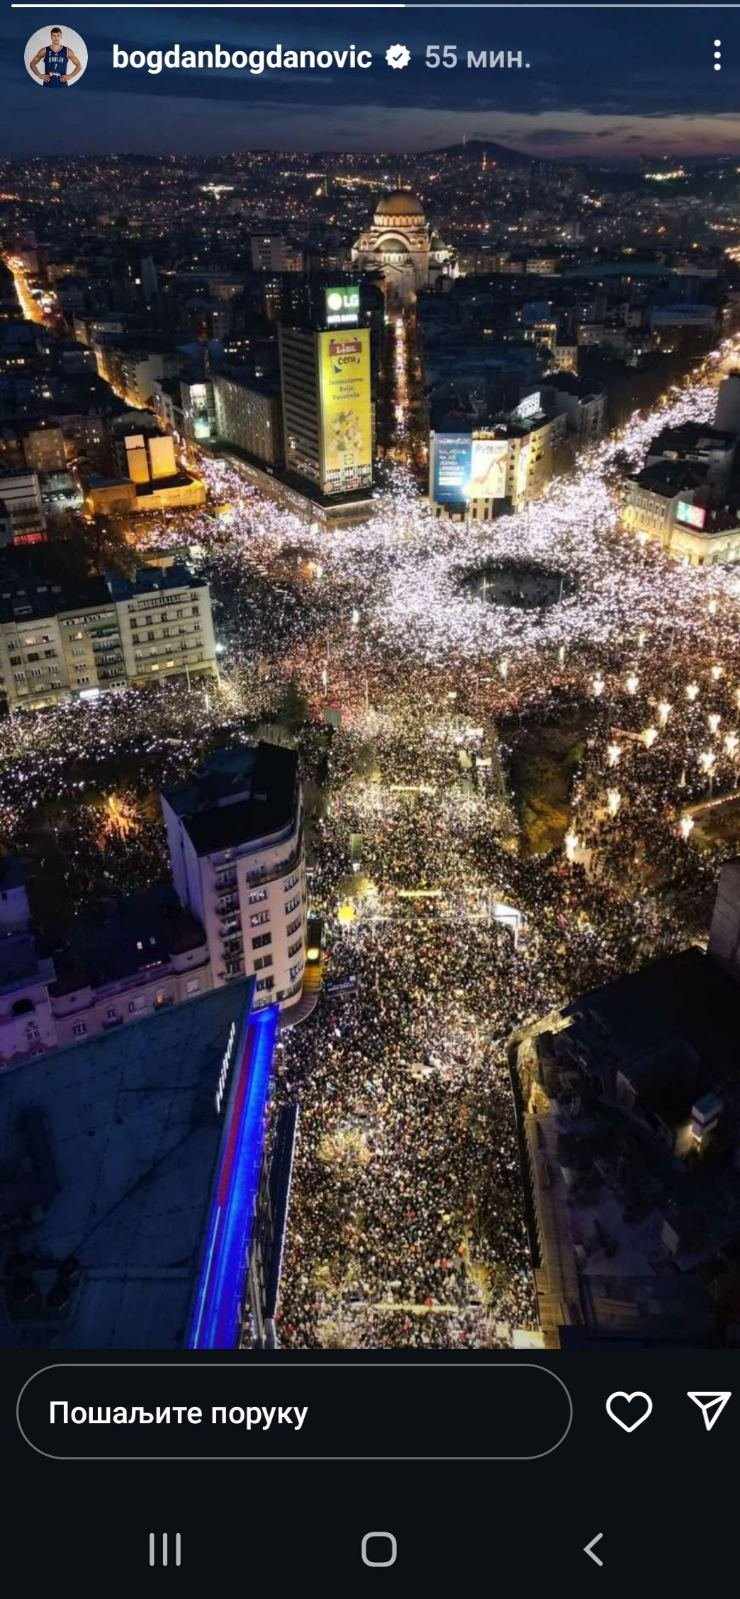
(369, 679)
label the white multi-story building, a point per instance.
(235, 836)
(57, 643)
(21, 495)
(165, 624)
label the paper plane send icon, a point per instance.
(711, 1404)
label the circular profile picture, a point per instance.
(55, 57)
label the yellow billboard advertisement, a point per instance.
(344, 366)
(488, 469)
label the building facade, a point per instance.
(272, 252)
(151, 478)
(20, 493)
(480, 473)
(139, 956)
(56, 644)
(326, 389)
(248, 415)
(235, 836)
(44, 449)
(671, 505)
(132, 958)
(165, 624)
(26, 1021)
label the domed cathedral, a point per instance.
(401, 245)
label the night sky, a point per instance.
(601, 83)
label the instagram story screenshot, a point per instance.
(369, 797)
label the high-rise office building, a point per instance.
(325, 377)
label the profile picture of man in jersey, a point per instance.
(55, 65)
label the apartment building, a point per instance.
(133, 372)
(20, 493)
(165, 624)
(131, 958)
(44, 449)
(675, 505)
(135, 957)
(61, 642)
(235, 836)
(273, 252)
(478, 473)
(248, 414)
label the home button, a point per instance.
(379, 1550)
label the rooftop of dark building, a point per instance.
(35, 584)
(238, 797)
(107, 1159)
(151, 579)
(680, 1012)
(670, 477)
(125, 938)
(20, 962)
(687, 436)
(244, 378)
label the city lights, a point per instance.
(473, 865)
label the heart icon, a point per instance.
(629, 1410)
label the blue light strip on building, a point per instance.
(219, 1295)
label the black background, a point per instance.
(665, 1496)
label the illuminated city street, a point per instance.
(406, 1222)
(370, 792)
(369, 663)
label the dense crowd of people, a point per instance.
(407, 1222)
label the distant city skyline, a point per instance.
(599, 87)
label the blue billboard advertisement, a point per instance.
(452, 457)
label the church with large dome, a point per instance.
(402, 246)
